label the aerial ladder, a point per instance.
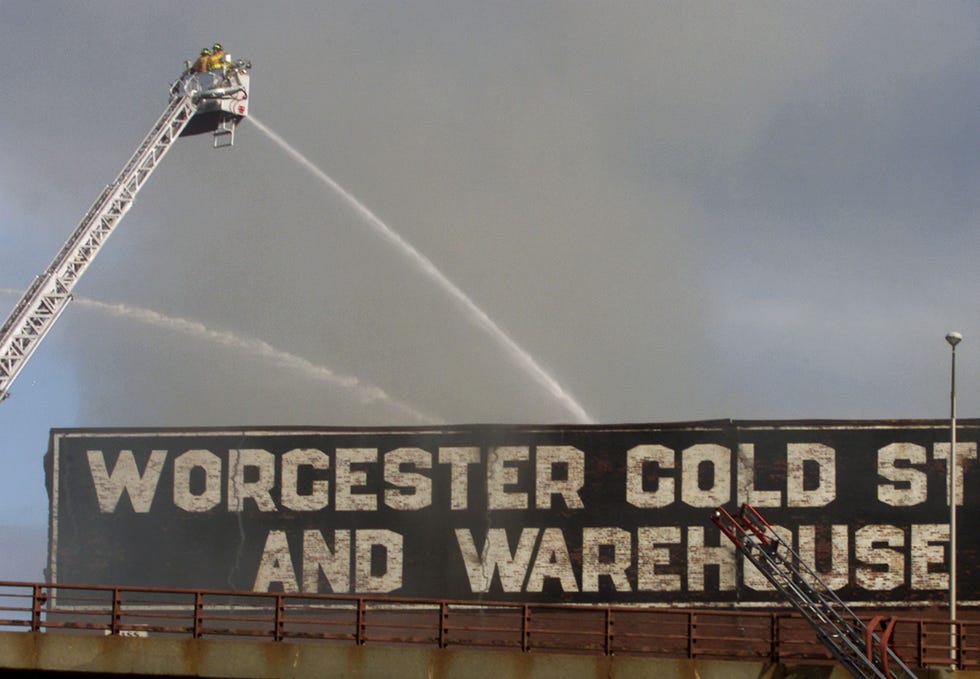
(857, 646)
(212, 101)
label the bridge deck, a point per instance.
(177, 631)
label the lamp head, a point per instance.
(954, 338)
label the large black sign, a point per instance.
(537, 513)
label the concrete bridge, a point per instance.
(56, 653)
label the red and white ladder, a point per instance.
(856, 645)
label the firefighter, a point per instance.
(203, 61)
(216, 61)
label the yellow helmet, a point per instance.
(205, 52)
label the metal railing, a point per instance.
(730, 634)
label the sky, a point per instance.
(676, 211)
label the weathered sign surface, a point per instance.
(537, 513)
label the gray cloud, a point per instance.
(587, 175)
(682, 210)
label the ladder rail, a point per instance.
(49, 294)
(881, 653)
(807, 576)
(760, 548)
(856, 646)
(838, 639)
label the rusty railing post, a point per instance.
(38, 599)
(443, 624)
(773, 637)
(609, 631)
(960, 664)
(361, 633)
(116, 611)
(525, 628)
(921, 646)
(198, 614)
(280, 603)
(690, 634)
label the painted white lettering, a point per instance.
(368, 577)
(964, 451)
(547, 485)
(419, 484)
(613, 565)
(210, 495)
(125, 476)
(746, 490)
(882, 567)
(650, 541)
(496, 557)
(258, 490)
(700, 556)
(706, 459)
(319, 558)
(347, 478)
(797, 494)
(908, 485)
(552, 561)
(291, 498)
(460, 459)
(500, 474)
(276, 565)
(636, 460)
(836, 577)
(926, 553)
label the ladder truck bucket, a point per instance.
(222, 100)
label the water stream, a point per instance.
(517, 353)
(260, 349)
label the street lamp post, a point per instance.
(953, 338)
